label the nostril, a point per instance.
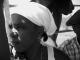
(14, 35)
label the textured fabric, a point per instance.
(44, 54)
(72, 48)
(59, 55)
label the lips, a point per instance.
(17, 45)
(15, 41)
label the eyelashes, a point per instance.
(20, 26)
(17, 26)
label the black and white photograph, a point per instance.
(39, 29)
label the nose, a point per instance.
(14, 33)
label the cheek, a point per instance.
(26, 35)
(27, 38)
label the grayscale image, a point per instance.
(39, 30)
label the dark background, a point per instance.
(4, 48)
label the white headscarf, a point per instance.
(39, 15)
(36, 13)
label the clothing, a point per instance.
(75, 23)
(43, 55)
(41, 16)
(38, 14)
(72, 49)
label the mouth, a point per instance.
(17, 45)
(15, 41)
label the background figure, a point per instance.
(72, 47)
(4, 47)
(57, 7)
(75, 23)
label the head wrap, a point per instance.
(36, 13)
(39, 15)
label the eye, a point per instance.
(20, 26)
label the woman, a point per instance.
(32, 25)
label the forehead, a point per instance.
(19, 19)
(16, 18)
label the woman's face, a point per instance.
(23, 32)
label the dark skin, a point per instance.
(27, 35)
(26, 32)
